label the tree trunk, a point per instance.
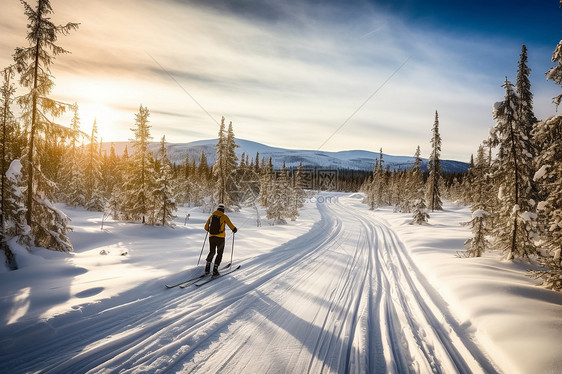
(28, 214)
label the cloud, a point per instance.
(286, 73)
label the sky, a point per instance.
(328, 75)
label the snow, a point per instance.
(14, 171)
(479, 213)
(540, 173)
(542, 205)
(529, 216)
(342, 289)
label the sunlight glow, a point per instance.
(96, 106)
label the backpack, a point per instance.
(215, 225)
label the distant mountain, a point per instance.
(353, 160)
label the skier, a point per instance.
(215, 225)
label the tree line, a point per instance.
(514, 185)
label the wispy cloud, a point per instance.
(286, 73)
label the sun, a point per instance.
(97, 104)
(104, 116)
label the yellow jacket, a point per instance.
(223, 220)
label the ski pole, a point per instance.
(232, 248)
(203, 246)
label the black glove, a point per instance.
(234, 230)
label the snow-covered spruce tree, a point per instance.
(377, 189)
(299, 194)
(15, 223)
(202, 182)
(396, 190)
(136, 198)
(72, 174)
(226, 164)
(380, 182)
(116, 202)
(525, 97)
(527, 121)
(515, 230)
(111, 177)
(555, 72)
(479, 224)
(416, 187)
(420, 215)
(267, 182)
(370, 187)
(278, 208)
(184, 181)
(92, 174)
(220, 170)
(164, 192)
(434, 166)
(49, 226)
(7, 120)
(547, 135)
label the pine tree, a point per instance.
(33, 63)
(378, 182)
(299, 192)
(94, 196)
(137, 201)
(15, 223)
(164, 195)
(279, 201)
(226, 165)
(416, 187)
(479, 223)
(111, 177)
(116, 204)
(434, 166)
(525, 96)
(7, 120)
(515, 231)
(527, 120)
(548, 135)
(72, 176)
(220, 167)
(555, 72)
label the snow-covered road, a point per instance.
(343, 297)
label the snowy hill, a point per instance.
(353, 160)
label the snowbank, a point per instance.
(517, 322)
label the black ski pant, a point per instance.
(216, 246)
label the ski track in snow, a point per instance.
(344, 297)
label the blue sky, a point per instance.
(299, 74)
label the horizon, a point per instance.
(251, 156)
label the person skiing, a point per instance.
(215, 226)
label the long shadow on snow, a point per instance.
(59, 343)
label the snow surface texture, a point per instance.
(342, 289)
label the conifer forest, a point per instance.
(53, 170)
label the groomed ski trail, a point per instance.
(345, 297)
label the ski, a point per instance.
(199, 284)
(192, 281)
(185, 281)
